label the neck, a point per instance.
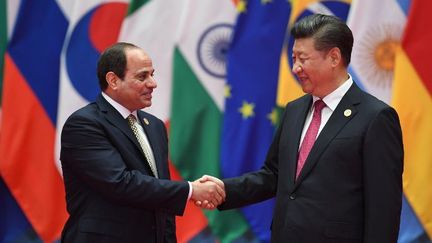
(338, 79)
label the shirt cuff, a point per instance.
(190, 190)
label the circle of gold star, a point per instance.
(247, 110)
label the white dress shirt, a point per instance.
(332, 101)
(124, 112)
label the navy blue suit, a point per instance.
(111, 193)
(350, 188)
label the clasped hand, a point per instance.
(208, 192)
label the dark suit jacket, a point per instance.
(350, 189)
(111, 193)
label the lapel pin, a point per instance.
(146, 121)
(347, 112)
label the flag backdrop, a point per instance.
(197, 99)
(222, 68)
(377, 35)
(13, 223)
(412, 97)
(3, 40)
(250, 112)
(30, 92)
(140, 28)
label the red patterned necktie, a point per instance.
(311, 134)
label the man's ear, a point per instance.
(335, 56)
(112, 80)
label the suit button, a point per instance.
(292, 196)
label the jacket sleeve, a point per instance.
(255, 186)
(87, 153)
(383, 166)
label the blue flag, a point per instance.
(252, 79)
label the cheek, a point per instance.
(314, 71)
(137, 87)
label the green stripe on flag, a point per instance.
(3, 42)
(135, 4)
(194, 141)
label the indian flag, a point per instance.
(187, 41)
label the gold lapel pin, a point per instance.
(347, 112)
(146, 121)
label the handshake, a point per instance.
(208, 192)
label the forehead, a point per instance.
(137, 59)
(304, 45)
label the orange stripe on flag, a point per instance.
(414, 105)
(27, 156)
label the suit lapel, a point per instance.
(296, 131)
(114, 117)
(336, 122)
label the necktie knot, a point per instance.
(131, 119)
(319, 105)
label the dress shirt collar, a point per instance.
(121, 109)
(332, 100)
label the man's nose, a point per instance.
(151, 83)
(296, 68)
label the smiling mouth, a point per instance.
(303, 79)
(147, 95)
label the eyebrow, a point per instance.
(298, 54)
(145, 72)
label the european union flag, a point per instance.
(250, 113)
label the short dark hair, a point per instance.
(328, 32)
(113, 59)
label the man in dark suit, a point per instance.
(335, 164)
(115, 160)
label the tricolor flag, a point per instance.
(377, 39)
(199, 73)
(13, 223)
(154, 26)
(412, 98)
(3, 41)
(212, 60)
(30, 92)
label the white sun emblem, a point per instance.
(376, 52)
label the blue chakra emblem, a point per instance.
(213, 47)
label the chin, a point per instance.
(306, 90)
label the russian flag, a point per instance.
(30, 93)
